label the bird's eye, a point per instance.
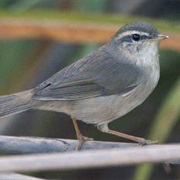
(136, 37)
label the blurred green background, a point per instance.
(24, 63)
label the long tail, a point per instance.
(15, 103)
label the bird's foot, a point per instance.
(81, 140)
(143, 141)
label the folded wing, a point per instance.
(98, 74)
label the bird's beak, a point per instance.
(160, 37)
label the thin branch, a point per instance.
(90, 159)
(30, 145)
(15, 176)
(56, 30)
(62, 31)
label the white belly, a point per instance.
(104, 109)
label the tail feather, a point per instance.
(16, 103)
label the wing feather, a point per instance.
(98, 74)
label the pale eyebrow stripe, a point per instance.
(131, 32)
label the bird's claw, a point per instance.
(81, 140)
(143, 141)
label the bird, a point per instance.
(102, 86)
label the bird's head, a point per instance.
(137, 39)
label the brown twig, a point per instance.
(67, 32)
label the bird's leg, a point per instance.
(80, 137)
(104, 128)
